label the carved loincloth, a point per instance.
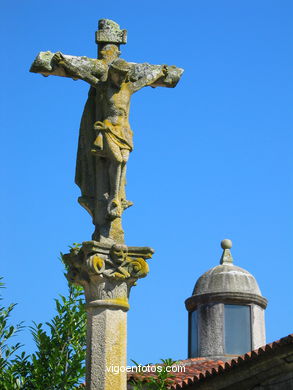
(118, 134)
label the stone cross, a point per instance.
(105, 266)
(105, 139)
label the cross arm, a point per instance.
(154, 75)
(76, 67)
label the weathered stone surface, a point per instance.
(107, 272)
(106, 348)
(258, 326)
(105, 139)
(105, 267)
(225, 284)
(211, 330)
(45, 63)
(109, 32)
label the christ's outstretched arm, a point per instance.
(144, 75)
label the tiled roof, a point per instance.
(194, 367)
(200, 369)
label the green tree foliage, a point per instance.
(7, 350)
(161, 380)
(59, 360)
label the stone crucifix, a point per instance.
(105, 139)
(105, 267)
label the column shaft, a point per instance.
(106, 349)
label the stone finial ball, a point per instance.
(226, 244)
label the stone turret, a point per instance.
(226, 311)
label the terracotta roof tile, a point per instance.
(198, 369)
(201, 368)
(195, 369)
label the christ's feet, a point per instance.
(126, 203)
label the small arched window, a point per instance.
(237, 329)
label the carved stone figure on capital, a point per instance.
(105, 138)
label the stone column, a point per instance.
(106, 347)
(107, 274)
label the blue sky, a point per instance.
(212, 158)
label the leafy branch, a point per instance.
(161, 380)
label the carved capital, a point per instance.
(107, 272)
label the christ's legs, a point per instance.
(114, 154)
(125, 203)
(114, 204)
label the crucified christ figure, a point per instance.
(105, 138)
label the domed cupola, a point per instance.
(226, 311)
